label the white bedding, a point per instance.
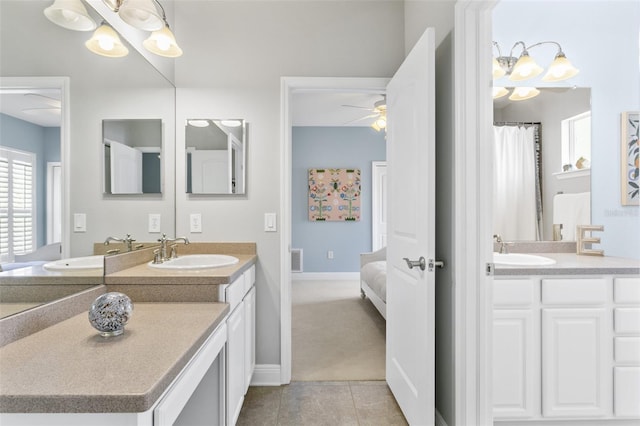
(375, 275)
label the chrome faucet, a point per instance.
(163, 246)
(503, 244)
(128, 241)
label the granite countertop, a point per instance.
(573, 264)
(143, 274)
(37, 275)
(68, 367)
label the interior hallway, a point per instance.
(338, 366)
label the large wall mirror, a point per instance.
(132, 156)
(542, 149)
(215, 156)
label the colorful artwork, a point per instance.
(334, 195)
(630, 158)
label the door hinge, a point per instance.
(490, 269)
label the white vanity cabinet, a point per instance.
(240, 350)
(553, 349)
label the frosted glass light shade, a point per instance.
(525, 68)
(498, 71)
(523, 93)
(560, 69)
(70, 14)
(141, 14)
(499, 92)
(163, 43)
(105, 42)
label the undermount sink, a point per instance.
(196, 261)
(521, 259)
(76, 264)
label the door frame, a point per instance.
(378, 200)
(288, 86)
(473, 152)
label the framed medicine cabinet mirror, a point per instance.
(216, 156)
(132, 156)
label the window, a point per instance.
(17, 203)
(576, 142)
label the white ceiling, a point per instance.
(328, 108)
(37, 106)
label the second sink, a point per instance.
(197, 261)
(521, 259)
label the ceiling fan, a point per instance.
(378, 113)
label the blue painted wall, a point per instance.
(333, 147)
(45, 143)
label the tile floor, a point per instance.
(321, 403)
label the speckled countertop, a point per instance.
(37, 275)
(69, 368)
(572, 264)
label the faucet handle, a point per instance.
(157, 257)
(173, 254)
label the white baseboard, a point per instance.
(266, 375)
(439, 419)
(325, 276)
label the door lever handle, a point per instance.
(422, 263)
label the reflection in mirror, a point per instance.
(542, 149)
(31, 216)
(132, 156)
(215, 153)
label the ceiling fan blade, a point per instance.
(361, 118)
(359, 107)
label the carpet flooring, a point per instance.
(336, 335)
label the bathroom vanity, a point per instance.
(566, 341)
(186, 357)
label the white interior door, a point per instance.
(210, 172)
(411, 233)
(126, 169)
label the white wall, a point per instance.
(591, 33)
(232, 68)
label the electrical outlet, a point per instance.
(330, 254)
(154, 223)
(195, 223)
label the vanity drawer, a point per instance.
(626, 290)
(514, 292)
(249, 278)
(576, 291)
(234, 292)
(627, 349)
(626, 320)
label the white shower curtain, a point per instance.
(514, 177)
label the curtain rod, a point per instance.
(505, 123)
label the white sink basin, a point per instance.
(76, 264)
(521, 259)
(196, 261)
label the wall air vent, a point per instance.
(296, 260)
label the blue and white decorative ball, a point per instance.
(110, 312)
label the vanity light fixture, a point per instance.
(524, 67)
(198, 123)
(231, 123)
(106, 42)
(163, 43)
(499, 92)
(523, 93)
(70, 14)
(140, 14)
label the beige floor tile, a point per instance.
(324, 403)
(261, 406)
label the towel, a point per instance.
(571, 210)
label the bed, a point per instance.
(373, 279)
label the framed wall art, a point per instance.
(630, 156)
(334, 195)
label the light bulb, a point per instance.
(163, 43)
(105, 43)
(70, 16)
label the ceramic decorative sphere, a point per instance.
(110, 312)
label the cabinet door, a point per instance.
(575, 379)
(627, 391)
(516, 371)
(250, 336)
(235, 363)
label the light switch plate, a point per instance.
(195, 223)
(79, 222)
(154, 223)
(270, 222)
